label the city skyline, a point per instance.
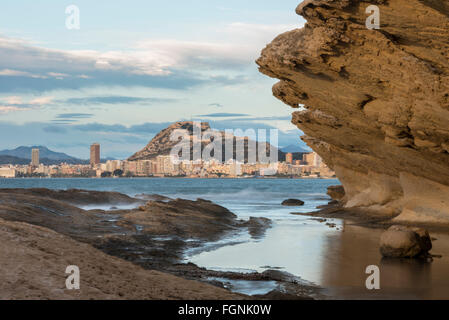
(300, 164)
(309, 165)
(126, 84)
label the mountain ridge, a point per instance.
(24, 152)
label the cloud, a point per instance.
(155, 63)
(74, 115)
(41, 69)
(177, 80)
(13, 100)
(145, 128)
(15, 103)
(216, 105)
(197, 54)
(116, 100)
(7, 109)
(54, 129)
(243, 117)
(280, 118)
(116, 140)
(222, 115)
(17, 73)
(41, 101)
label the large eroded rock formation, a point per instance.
(376, 102)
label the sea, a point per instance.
(334, 254)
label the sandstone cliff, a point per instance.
(373, 103)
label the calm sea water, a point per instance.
(245, 197)
(335, 258)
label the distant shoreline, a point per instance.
(211, 178)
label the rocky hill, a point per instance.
(376, 102)
(161, 144)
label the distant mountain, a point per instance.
(294, 149)
(13, 160)
(44, 153)
(22, 156)
(161, 144)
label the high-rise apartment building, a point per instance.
(94, 154)
(289, 158)
(35, 157)
(312, 159)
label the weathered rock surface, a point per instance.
(376, 102)
(156, 197)
(73, 196)
(34, 260)
(42, 230)
(292, 202)
(405, 242)
(336, 192)
(187, 218)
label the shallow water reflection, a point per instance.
(351, 251)
(337, 260)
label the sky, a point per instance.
(134, 67)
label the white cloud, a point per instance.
(13, 100)
(17, 73)
(16, 103)
(41, 101)
(57, 75)
(235, 45)
(7, 109)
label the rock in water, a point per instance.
(292, 202)
(375, 102)
(405, 242)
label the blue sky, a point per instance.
(134, 67)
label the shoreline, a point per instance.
(154, 236)
(168, 177)
(370, 219)
(158, 232)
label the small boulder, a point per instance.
(292, 202)
(405, 242)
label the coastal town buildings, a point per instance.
(7, 172)
(311, 166)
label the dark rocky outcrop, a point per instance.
(292, 202)
(74, 196)
(180, 217)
